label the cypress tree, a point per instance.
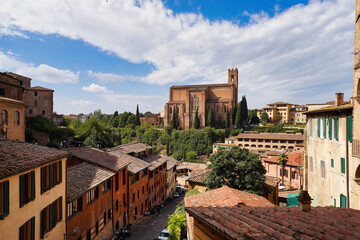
(196, 120)
(238, 121)
(173, 122)
(210, 118)
(245, 111)
(219, 122)
(137, 115)
(167, 148)
(227, 120)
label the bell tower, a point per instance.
(233, 76)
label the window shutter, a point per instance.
(33, 228)
(22, 190)
(324, 129)
(32, 185)
(51, 176)
(42, 181)
(21, 233)
(332, 162)
(60, 208)
(6, 197)
(318, 127)
(42, 223)
(310, 127)
(349, 128)
(51, 217)
(334, 202)
(60, 171)
(336, 129)
(330, 128)
(342, 165)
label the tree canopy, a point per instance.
(237, 168)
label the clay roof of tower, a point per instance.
(17, 157)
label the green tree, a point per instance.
(277, 118)
(227, 118)
(191, 155)
(219, 121)
(196, 120)
(238, 118)
(131, 120)
(282, 160)
(137, 115)
(168, 148)
(244, 110)
(237, 168)
(210, 118)
(173, 121)
(264, 117)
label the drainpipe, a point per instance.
(347, 165)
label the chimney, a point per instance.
(339, 99)
(304, 201)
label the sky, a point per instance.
(115, 54)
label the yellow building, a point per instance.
(32, 191)
(196, 180)
(281, 108)
(170, 176)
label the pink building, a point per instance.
(293, 178)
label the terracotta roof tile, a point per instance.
(331, 108)
(154, 160)
(83, 177)
(131, 148)
(294, 159)
(199, 175)
(171, 163)
(275, 136)
(271, 183)
(99, 157)
(16, 156)
(191, 166)
(136, 164)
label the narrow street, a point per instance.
(149, 227)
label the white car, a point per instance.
(176, 195)
(164, 234)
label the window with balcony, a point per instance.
(92, 195)
(74, 207)
(105, 186)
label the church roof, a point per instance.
(203, 85)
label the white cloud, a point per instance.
(302, 52)
(43, 72)
(95, 88)
(81, 103)
(110, 77)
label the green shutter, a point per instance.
(60, 171)
(336, 129)
(318, 127)
(51, 176)
(324, 130)
(332, 162)
(22, 190)
(334, 202)
(6, 197)
(349, 128)
(342, 165)
(330, 128)
(33, 228)
(310, 127)
(21, 233)
(60, 208)
(42, 180)
(32, 185)
(343, 201)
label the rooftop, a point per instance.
(171, 163)
(154, 160)
(83, 177)
(41, 88)
(99, 157)
(294, 159)
(17, 157)
(236, 222)
(199, 175)
(202, 85)
(191, 166)
(273, 136)
(136, 165)
(10, 100)
(131, 148)
(331, 108)
(271, 183)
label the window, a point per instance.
(124, 177)
(311, 164)
(343, 201)
(138, 194)
(322, 164)
(43, 112)
(334, 202)
(4, 199)
(35, 93)
(143, 190)
(27, 188)
(74, 207)
(195, 103)
(124, 199)
(2, 91)
(330, 128)
(106, 186)
(117, 205)
(88, 234)
(4, 117)
(51, 175)
(30, 111)
(16, 118)
(27, 230)
(143, 173)
(134, 178)
(97, 227)
(349, 128)
(342, 160)
(133, 197)
(109, 214)
(294, 175)
(117, 182)
(332, 162)
(92, 195)
(104, 217)
(285, 172)
(324, 127)
(35, 102)
(336, 134)
(318, 127)
(50, 216)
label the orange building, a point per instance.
(12, 119)
(186, 99)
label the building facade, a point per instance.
(39, 101)
(32, 191)
(171, 177)
(281, 108)
(185, 100)
(152, 120)
(12, 119)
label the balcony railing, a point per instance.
(356, 147)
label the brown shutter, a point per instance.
(42, 180)
(22, 190)
(60, 171)
(32, 185)
(33, 228)
(6, 197)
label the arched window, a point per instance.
(16, 118)
(195, 103)
(357, 173)
(4, 117)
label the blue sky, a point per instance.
(112, 55)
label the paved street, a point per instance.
(149, 227)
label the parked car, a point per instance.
(176, 195)
(164, 234)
